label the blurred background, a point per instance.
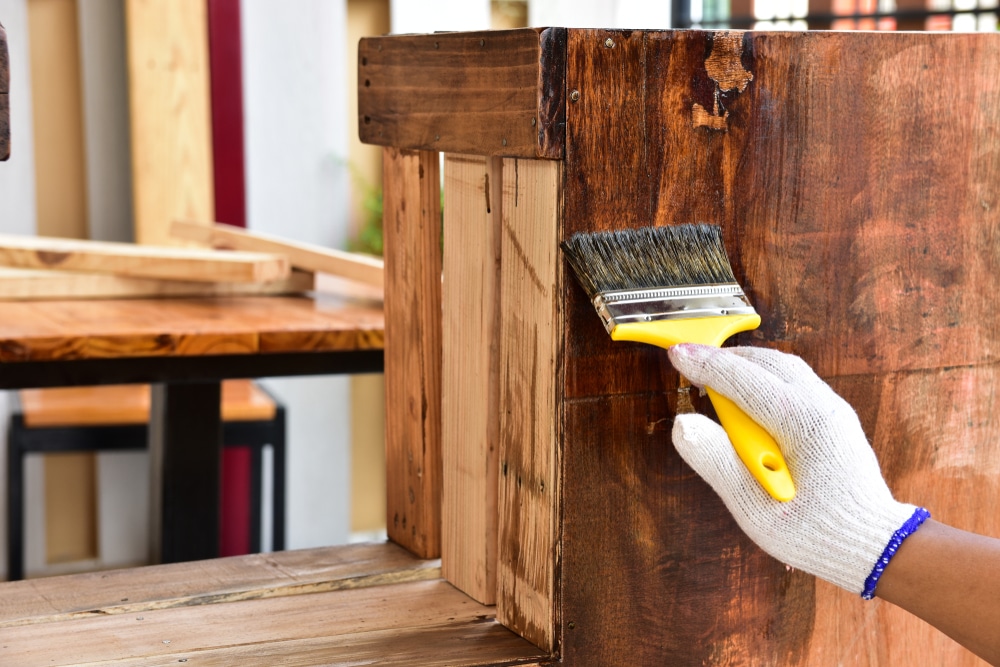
(260, 99)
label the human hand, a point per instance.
(843, 524)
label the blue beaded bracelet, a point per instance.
(907, 529)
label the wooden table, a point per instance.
(185, 347)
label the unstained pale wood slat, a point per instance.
(470, 373)
(129, 259)
(32, 284)
(362, 268)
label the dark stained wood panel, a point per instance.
(854, 177)
(480, 93)
(4, 98)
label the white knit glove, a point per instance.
(843, 524)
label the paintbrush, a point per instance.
(670, 285)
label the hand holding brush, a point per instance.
(843, 525)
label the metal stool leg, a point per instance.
(15, 498)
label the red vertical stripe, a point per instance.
(225, 48)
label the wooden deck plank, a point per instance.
(373, 623)
(257, 576)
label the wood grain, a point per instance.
(308, 256)
(4, 99)
(51, 330)
(170, 114)
(242, 400)
(470, 385)
(851, 181)
(128, 259)
(33, 284)
(414, 623)
(530, 340)
(481, 93)
(332, 605)
(256, 576)
(412, 229)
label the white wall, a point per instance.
(600, 13)
(417, 16)
(297, 186)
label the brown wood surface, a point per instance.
(31, 284)
(530, 340)
(361, 268)
(359, 604)
(129, 259)
(854, 176)
(53, 330)
(481, 93)
(470, 385)
(4, 98)
(242, 400)
(412, 229)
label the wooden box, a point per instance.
(855, 178)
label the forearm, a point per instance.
(951, 579)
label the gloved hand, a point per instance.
(843, 524)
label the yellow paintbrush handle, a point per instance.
(755, 447)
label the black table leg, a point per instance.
(185, 445)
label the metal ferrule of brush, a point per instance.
(665, 303)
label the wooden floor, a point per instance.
(372, 604)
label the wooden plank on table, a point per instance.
(531, 298)
(412, 228)
(309, 256)
(33, 284)
(413, 623)
(170, 114)
(478, 93)
(128, 259)
(4, 97)
(863, 245)
(470, 382)
(256, 576)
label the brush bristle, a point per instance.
(649, 257)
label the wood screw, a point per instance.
(482, 42)
(575, 96)
(532, 122)
(504, 142)
(610, 43)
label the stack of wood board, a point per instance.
(53, 268)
